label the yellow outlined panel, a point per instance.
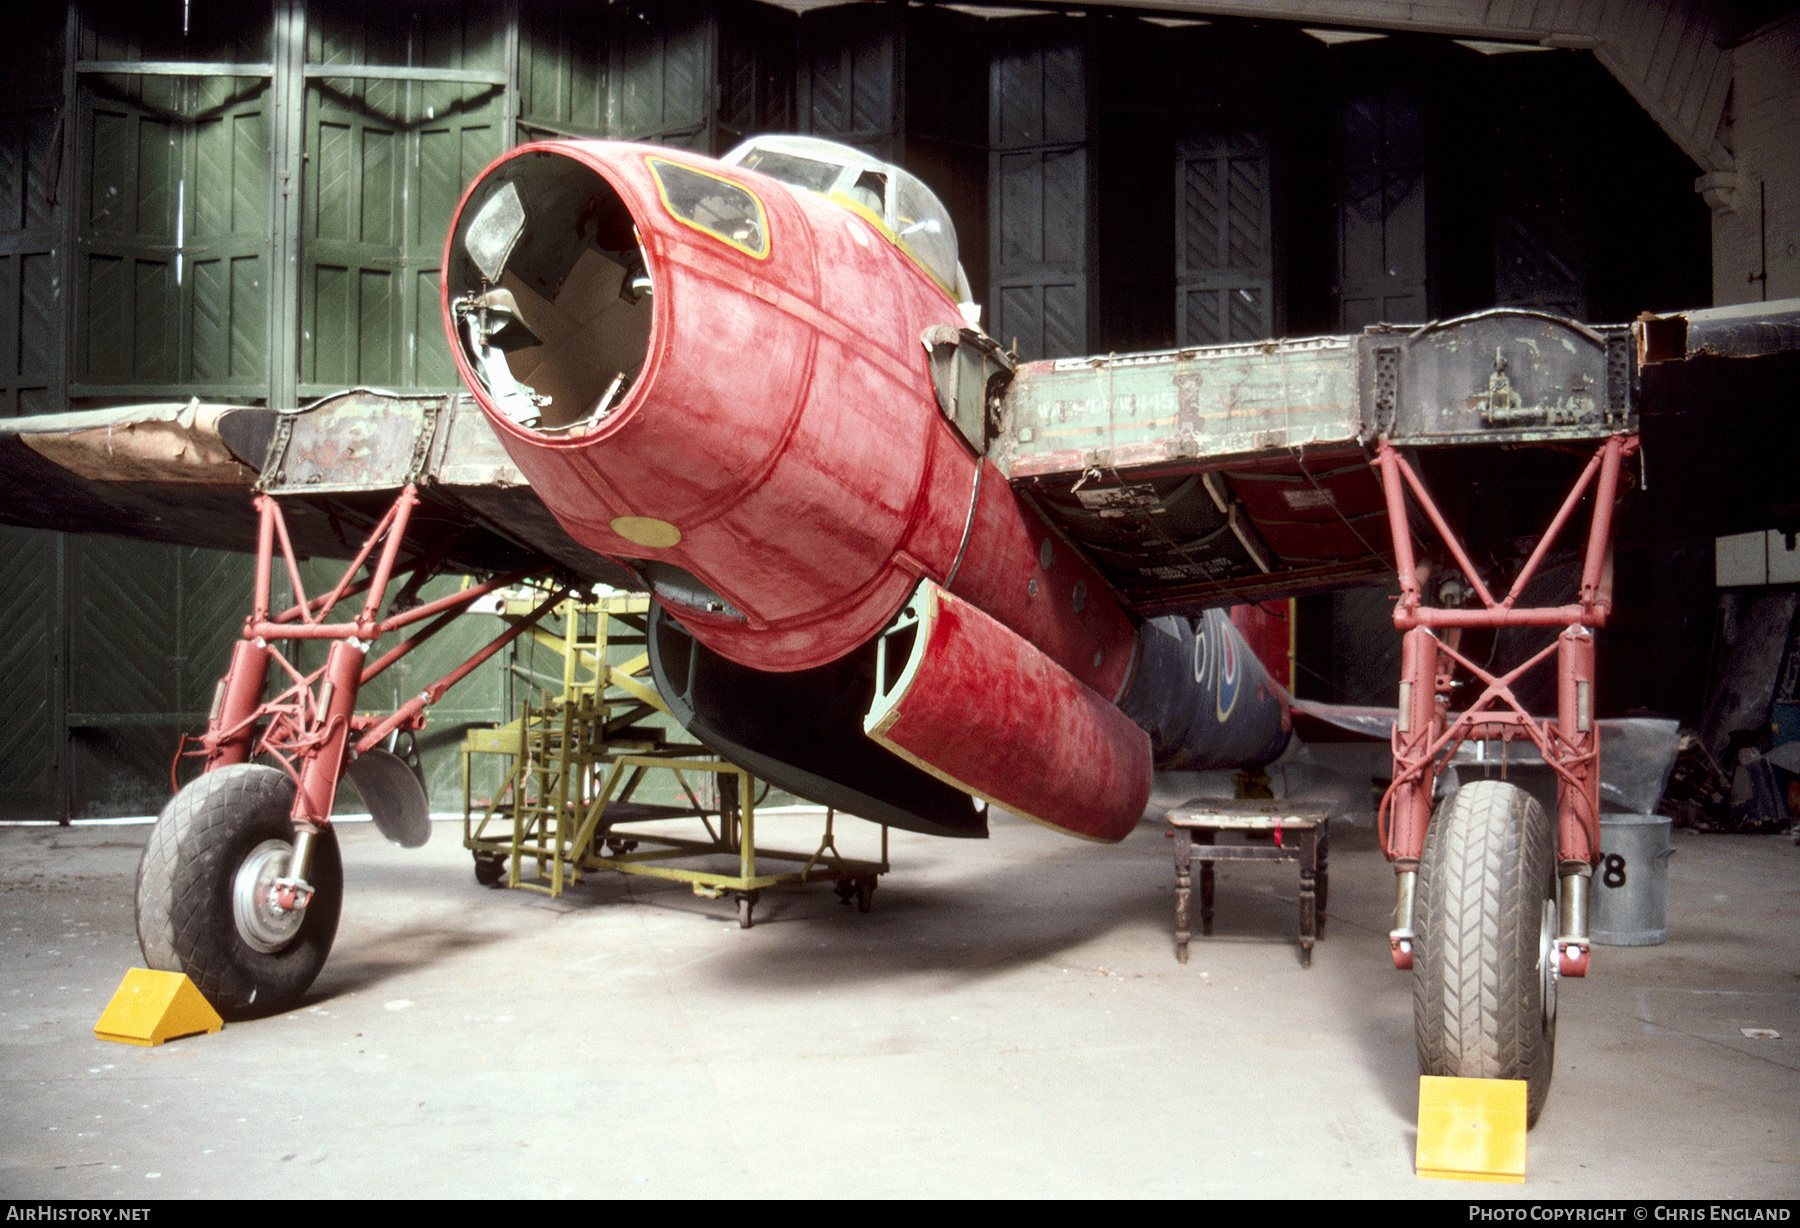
(714, 205)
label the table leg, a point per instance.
(1324, 876)
(1309, 915)
(1206, 897)
(1184, 847)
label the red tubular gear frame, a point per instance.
(311, 728)
(1426, 733)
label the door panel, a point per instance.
(1381, 209)
(389, 148)
(1040, 196)
(1225, 275)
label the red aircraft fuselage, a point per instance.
(736, 385)
(781, 442)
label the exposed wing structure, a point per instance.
(1207, 477)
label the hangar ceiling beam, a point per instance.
(1673, 58)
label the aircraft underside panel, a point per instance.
(802, 731)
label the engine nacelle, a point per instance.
(977, 706)
(955, 704)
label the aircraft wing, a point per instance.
(1188, 479)
(1208, 477)
(187, 474)
(152, 472)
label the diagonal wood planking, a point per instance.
(29, 634)
(1040, 219)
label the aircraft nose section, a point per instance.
(549, 295)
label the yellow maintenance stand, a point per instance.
(577, 759)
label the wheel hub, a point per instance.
(1549, 961)
(262, 921)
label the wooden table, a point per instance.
(1294, 831)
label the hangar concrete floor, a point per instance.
(1009, 1021)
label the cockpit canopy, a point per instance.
(913, 217)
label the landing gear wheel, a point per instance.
(1484, 973)
(490, 869)
(204, 903)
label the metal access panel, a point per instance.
(1212, 476)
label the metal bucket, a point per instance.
(1631, 883)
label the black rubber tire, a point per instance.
(186, 881)
(491, 869)
(1484, 970)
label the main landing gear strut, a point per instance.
(241, 883)
(1491, 896)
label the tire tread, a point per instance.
(1477, 994)
(184, 917)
